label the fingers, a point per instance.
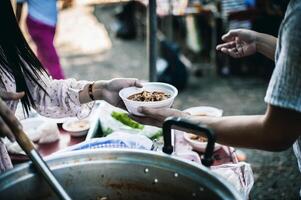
(121, 105)
(137, 83)
(146, 121)
(7, 96)
(131, 82)
(5, 131)
(230, 36)
(226, 45)
(233, 52)
(155, 116)
(150, 112)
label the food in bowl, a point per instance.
(151, 87)
(149, 96)
(77, 127)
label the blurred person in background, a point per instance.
(41, 23)
(22, 77)
(279, 128)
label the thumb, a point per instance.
(230, 36)
(8, 96)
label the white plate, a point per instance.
(77, 127)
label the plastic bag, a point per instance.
(117, 139)
(109, 124)
(240, 175)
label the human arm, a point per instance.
(108, 90)
(266, 45)
(242, 42)
(276, 130)
(64, 98)
(280, 126)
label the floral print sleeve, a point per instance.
(61, 98)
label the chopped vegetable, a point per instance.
(124, 118)
(107, 131)
(157, 135)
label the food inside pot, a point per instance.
(146, 96)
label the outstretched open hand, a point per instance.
(238, 43)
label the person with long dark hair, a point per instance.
(23, 77)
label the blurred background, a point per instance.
(104, 39)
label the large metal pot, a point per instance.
(118, 174)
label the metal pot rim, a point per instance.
(150, 158)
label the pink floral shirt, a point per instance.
(61, 100)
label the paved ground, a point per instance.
(276, 174)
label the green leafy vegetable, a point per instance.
(124, 118)
(157, 135)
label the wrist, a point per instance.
(259, 41)
(98, 90)
(84, 94)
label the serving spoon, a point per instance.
(39, 163)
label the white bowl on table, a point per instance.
(197, 145)
(132, 105)
(77, 127)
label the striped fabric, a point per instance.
(285, 85)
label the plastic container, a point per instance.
(132, 106)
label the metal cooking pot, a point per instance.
(109, 174)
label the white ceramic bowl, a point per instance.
(76, 127)
(207, 111)
(132, 106)
(198, 145)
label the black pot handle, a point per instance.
(200, 130)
